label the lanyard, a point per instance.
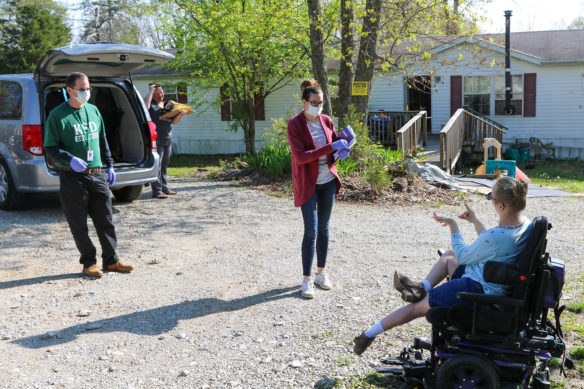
(77, 114)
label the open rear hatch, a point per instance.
(98, 60)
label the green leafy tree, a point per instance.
(248, 48)
(393, 35)
(577, 24)
(28, 28)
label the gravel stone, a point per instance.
(230, 264)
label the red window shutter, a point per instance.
(260, 111)
(455, 93)
(529, 81)
(225, 104)
(181, 91)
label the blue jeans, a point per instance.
(445, 295)
(160, 186)
(316, 213)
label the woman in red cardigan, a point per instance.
(315, 181)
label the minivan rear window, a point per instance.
(10, 100)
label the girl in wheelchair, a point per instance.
(464, 263)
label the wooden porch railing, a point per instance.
(408, 136)
(466, 128)
(384, 125)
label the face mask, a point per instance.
(82, 96)
(314, 111)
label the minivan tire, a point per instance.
(127, 193)
(8, 196)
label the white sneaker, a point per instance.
(307, 288)
(323, 281)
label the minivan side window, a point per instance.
(10, 100)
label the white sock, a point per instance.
(427, 285)
(374, 331)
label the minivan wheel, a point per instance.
(8, 195)
(127, 193)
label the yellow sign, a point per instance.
(359, 88)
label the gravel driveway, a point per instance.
(214, 299)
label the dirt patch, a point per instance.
(405, 188)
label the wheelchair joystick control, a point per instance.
(421, 343)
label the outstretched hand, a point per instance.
(445, 221)
(468, 214)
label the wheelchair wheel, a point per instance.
(468, 372)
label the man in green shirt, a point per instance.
(75, 140)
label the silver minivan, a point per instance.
(27, 99)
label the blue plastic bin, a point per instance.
(510, 166)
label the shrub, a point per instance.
(273, 157)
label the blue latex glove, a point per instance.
(340, 144)
(349, 135)
(78, 164)
(111, 176)
(342, 153)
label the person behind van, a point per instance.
(75, 140)
(154, 100)
(501, 243)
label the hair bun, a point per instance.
(308, 82)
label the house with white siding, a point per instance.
(547, 69)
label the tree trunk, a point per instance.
(317, 53)
(249, 132)
(367, 53)
(346, 66)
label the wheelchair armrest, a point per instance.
(487, 299)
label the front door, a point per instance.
(419, 94)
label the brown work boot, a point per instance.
(119, 267)
(361, 343)
(411, 291)
(92, 271)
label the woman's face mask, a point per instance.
(314, 111)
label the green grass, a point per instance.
(578, 352)
(576, 307)
(567, 175)
(370, 380)
(186, 165)
(345, 360)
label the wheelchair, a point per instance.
(497, 342)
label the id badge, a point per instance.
(89, 155)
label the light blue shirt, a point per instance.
(501, 244)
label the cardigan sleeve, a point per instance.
(302, 155)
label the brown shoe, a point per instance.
(160, 196)
(169, 192)
(119, 267)
(361, 343)
(92, 271)
(411, 291)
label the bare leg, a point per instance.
(405, 314)
(446, 265)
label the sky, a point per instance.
(531, 15)
(528, 15)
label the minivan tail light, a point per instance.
(32, 139)
(153, 134)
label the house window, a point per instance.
(477, 93)
(175, 92)
(516, 100)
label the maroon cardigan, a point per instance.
(305, 156)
